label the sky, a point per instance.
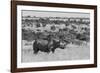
(54, 14)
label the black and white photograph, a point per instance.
(55, 36)
(52, 36)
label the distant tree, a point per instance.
(28, 16)
(38, 25)
(26, 20)
(53, 28)
(43, 24)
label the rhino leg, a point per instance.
(36, 51)
(53, 50)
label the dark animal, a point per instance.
(46, 46)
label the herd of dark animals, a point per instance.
(49, 45)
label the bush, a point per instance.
(28, 35)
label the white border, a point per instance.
(56, 63)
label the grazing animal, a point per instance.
(46, 45)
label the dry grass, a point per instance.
(71, 52)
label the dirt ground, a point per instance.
(71, 52)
